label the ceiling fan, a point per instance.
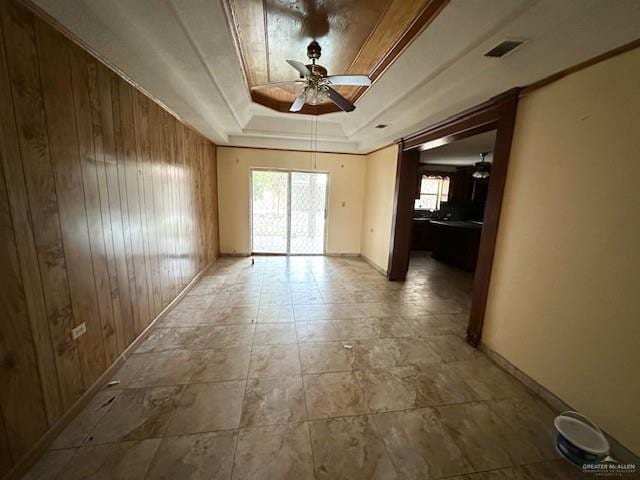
(318, 86)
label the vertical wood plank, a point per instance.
(99, 77)
(106, 336)
(178, 207)
(28, 106)
(133, 314)
(170, 200)
(159, 220)
(145, 183)
(21, 214)
(6, 462)
(133, 188)
(54, 62)
(100, 116)
(21, 395)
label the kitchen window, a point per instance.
(433, 191)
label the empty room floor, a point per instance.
(311, 367)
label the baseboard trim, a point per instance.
(235, 255)
(618, 450)
(26, 462)
(372, 264)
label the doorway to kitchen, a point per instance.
(288, 212)
(497, 114)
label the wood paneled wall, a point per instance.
(108, 210)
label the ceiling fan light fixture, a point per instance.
(319, 85)
(480, 174)
(315, 96)
(483, 168)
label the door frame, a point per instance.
(498, 114)
(289, 171)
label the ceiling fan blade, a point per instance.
(297, 105)
(340, 101)
(358, 80)
(278, 84)
(300, 67)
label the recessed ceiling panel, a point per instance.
(356, 36)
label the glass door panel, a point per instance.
(270, 211)
(308, 203)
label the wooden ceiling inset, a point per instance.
(356, 36)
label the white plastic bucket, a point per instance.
(580, 440)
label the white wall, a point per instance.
(564, 300)
(345, 197)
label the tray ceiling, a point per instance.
(183, 53)
(356, 36)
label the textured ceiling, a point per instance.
(183, 53)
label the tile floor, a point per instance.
(311, 367)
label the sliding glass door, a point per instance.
(288, 212)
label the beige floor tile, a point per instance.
(311, 313)
(479, 433)
(122, 461)
(275, 299)
(275, 334)
(434, 325)
(410, 351)
(81, 426)
(532, 421)
(420, 445)
(230, 363)
(372, 328)
(164, 339)
(137, 414)
(452, 348)
(224, 336)
(156, 369)
(230, 316)
(501, 433)
(316, 332)
(274, 361)
(349, 448)
(277, 314)
(373, 353)
(280, 452)
(488, 381)
(378, 309)
(274, 400)
(207, 407)
(50, 465)
(326, 357)
(333, 395)
(194, 457)
(559, 469)
(388, 389)
(309, 297)
(345, 311)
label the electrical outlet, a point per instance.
(79, 331)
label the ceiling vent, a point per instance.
(504, 47)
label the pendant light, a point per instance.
(482, 167)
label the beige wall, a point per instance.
(346, 192)
(378, 205)
(564, 302)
